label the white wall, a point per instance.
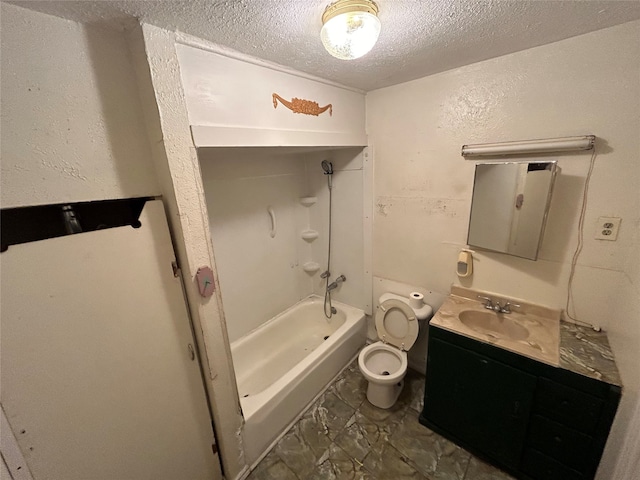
(72, 126)
(628, 463)
(584, 85)
(261, 276)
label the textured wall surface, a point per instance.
(588, 84)
(176, 161)
(72, 126)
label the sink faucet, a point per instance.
(333, 285)
(507, 307)
(489, 305)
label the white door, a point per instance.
(97, 376)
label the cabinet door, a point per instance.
(481, 402)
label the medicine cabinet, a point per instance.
(509, 206)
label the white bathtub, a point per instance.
(281, 366)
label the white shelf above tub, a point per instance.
(309, 235)
(311, 267)
(308, 201)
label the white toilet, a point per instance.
(384, 363)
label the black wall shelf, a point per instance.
(30, 224)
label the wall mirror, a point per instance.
(509, 206)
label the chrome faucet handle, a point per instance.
(325, 274)
(489, 304)
(333, 285)
(507, 307)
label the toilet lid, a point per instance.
(396, 324)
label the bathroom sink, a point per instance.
(494, 324)
(531, 330)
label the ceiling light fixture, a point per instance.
(350, 28)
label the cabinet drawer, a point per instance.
(567, 405)
(562, 443)
(541, 467)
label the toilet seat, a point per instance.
(396, 324)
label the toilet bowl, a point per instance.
(384, 367)
(384, 363)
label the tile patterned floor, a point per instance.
(343, 437)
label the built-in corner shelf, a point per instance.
(309, 235)
(308, 201)
(311, 267)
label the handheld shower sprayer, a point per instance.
(329, 309)
(328, 170)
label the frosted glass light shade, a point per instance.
(350, 29)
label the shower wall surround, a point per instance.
(261, 276)
(347, 243)
(258, 274)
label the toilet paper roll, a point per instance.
(415, 300)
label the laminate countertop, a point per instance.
(587, 352)
(575, 348)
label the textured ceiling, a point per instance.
(418, 37)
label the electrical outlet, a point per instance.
(607, 228)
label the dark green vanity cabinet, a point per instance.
(482, 401)
(535, 421)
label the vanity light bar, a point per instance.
(547, 145)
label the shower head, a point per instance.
(327, 167)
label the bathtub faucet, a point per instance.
(338, 281)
